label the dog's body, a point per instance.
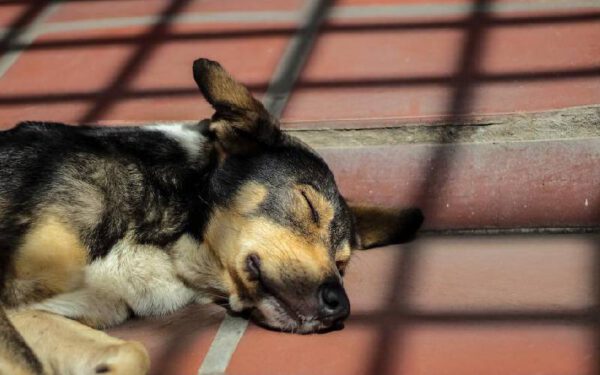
(103, 199)
(98, 224)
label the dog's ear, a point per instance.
(241, 124)
(376, 226)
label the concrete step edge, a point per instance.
(569, 123)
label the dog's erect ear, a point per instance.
(241, 124)
(377, 226)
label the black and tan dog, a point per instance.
(98, 224)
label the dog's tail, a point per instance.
(16, 358)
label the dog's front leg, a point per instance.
(67, 347)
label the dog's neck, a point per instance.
(200, 269)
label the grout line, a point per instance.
(337, 13)
(30, 33)
(223, 346)
(294, 57)
(190, 18)
(142, 52)
(445, 80)
(413, 10)
(232, 329)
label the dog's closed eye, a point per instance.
(253, 266)
(313, 212)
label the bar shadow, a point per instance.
(17, 27)
(285, 30)
(392, 322)
(102, 100)
(128, 72)
(396, 317)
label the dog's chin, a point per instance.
(271, 314)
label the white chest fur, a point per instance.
(143, 276)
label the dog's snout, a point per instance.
(333, 302)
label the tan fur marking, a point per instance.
(250, 196)
(51, 255)
(342, 257)
(16, 357)
(234, 232)
(236, 236)
(343, 253)
(67, 347)
(321, 205)
(279, 246)
(221, 87)
(199, 268)
(231, 235)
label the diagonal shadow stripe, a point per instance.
(488, 78)
(392, 337)
(286, 73)
(129, 71)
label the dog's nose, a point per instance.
(334, 304)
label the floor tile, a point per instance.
(19, 14)
(487, 185)
(494, 350)
(477, 274)
(402, 69)
(128, 81)
(176, 343)
(470, 306)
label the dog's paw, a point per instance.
(129, 358)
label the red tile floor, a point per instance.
(442, 305)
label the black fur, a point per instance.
(145, 182)
(142, 177)
(279, 168)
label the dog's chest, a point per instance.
(142, 275)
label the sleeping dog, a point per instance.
(99, 224)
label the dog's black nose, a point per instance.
(334, 304)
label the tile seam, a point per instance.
(294, 57)
(232, 329)
(223, 346)
(190, 18)
(337, 13)
(414, 10)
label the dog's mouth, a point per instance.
(296, 307)
(275, 314)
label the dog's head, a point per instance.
(279, 228)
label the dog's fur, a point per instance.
(98, 224)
